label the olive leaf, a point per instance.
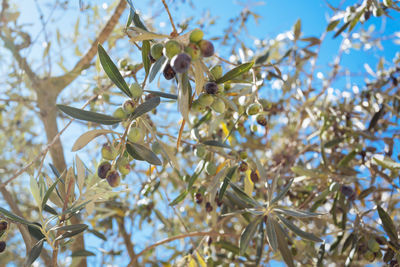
(215, 143)
(145, 56)
(388, 224)
(158, 66)
(145, 107)
(85, 138)
(81, 114)
(82, 253)
(112, 71)
(162, 94)
(227, 179)
(14, 217)
(248, 234)
(34, 253)
(235, 72)
(298, 231)
(271, 234)
(179, 198)
(143, 153)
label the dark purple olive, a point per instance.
(3, 226)
(211, 88)
(181, 62)
(209, 208)
(243, 166)
(169, 72)
(261, 120)
(2, 246)
(113, 178)
(207, 48)
(254, 177)
(198, 197)
(103, 169)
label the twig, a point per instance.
(174, 33)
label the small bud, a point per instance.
(181, 62)
(254, 177)
(156, 50)
(119, 113)
(128, 106)
(136, 90)
(196, 35)
(169, 72)
(113, 178)
(209, 208)
(2, 246)
(103, 169)
(207, 48)
(211, 88)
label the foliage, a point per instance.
(247, 160)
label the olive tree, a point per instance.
(199, 149)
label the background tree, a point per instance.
(230, 149)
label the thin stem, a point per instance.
(174, 32)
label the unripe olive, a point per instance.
(193, 50)
(200, 151)
(207, 48)
(123, 166)
(136, 135)
(243, 154)
(261, 120)
(171, 49)
(3, 226)
(181, 62)
(196, 107)
(113, 178)
(211, 88)
(109, 152)
(253, 109)
(136, 90)
(216, 71)
(119, 113)
(169, 72)
(211, 168)
(205, 100)
(2, 246)
(373, 245)
(196, 35)
(156, 50)
(387, 3)
(218, 105)
(128, 106)
(103, 168)
(156, 148)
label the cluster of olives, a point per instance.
(181, 56)
(371, 250)
(3, 228)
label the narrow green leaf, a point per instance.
(227, 179)
(145, 107)
(35, 231)
(297, 213)
(158, 66)
(243, 196)
(54, 170)
(235, 72)
(179, 198)
(144, 153)
(50, 210)
(298, 231)
(145, 55)
(283, 246)
(341, 29)
(260, 244)
(72, 227)
(162, 94)
(133, 153)
(184, 94)
(263, 58)
(248, 234)
(216, 144)
(387, 163)
(271, 234)
(112, 71)
(388, 224)
(81, 114)
(14, 217)
(332, 25)
(283, 192)
(71, 233)
(98, 234)
(34, 253)
(297, 29)
(82, 253)
(227, 246)
(48, 193)
(346, 160)
(195, 175)
(376, 118)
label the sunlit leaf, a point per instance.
(145, 107)
(85, 138)
(81, 114)
(248, 234)
(298, 231)
(34, 253)
(235, 72)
